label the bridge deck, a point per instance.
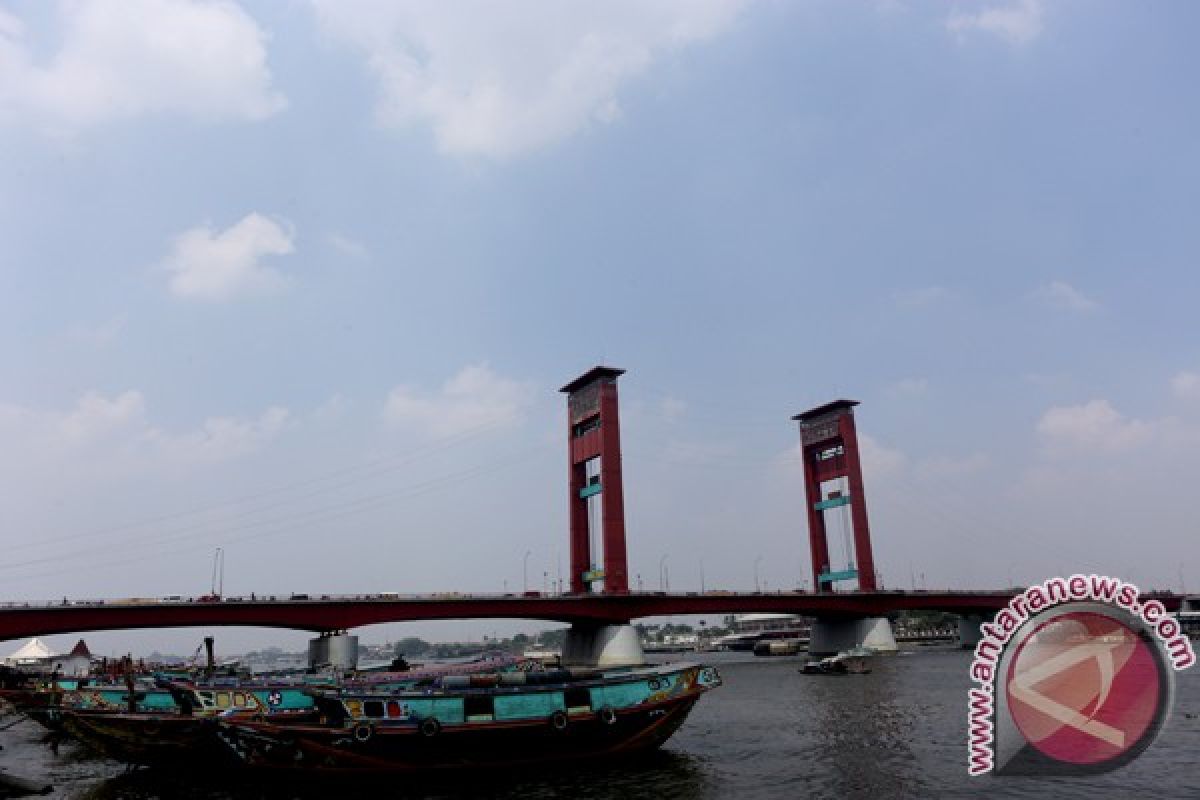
(328, 613)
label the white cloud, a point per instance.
(1064, 296)
(1186, 385)
(1018, 23)
(206, 265)
(205, 60)
(501, 79)
(1093, 426)
(96, 415)
(104, 432)
(219, 438)
(476, 397)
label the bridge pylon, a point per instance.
(333, 650)
(833, 480)
(596, 496)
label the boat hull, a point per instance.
(366, 748)
(146, 739)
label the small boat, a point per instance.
(778, 647)
(479, 721)
(850, 662)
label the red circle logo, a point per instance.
(1084, 688)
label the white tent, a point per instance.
(34, 650)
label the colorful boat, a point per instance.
(480, 721)
(171, 720)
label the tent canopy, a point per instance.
(34, 648)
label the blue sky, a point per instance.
(300, 280)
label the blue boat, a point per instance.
(479, 721)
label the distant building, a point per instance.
(76, 663)
(35, 656)
(32, 655)
(749, 629)
(762, 623)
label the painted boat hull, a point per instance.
(160, 739)
(146, 739)
(613, 734)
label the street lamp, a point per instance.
(525, 571)
(756, 585)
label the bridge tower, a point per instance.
(833, 479)
(597, 501)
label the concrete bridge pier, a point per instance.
(831, 636)
(333, 650)
(969, 633)
(602, 646)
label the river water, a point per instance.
(769, 732)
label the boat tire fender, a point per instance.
(608, 716)
(430, 727)
(362, 732)
(558, 720)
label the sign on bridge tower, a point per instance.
(833, 480)
(597, 503)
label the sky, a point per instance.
(301, 280)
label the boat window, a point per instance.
(478, 706)
(373, 708)
(578, 698)
(239, 700)
(394, 709)
(222, 699)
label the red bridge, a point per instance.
(342, 613)
(599, 574)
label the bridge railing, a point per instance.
(313, 597)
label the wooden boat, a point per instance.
(172, 721)
(851, 662)
(487, 722)
(145, 739)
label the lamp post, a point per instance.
(218, 578)
(757, 588)
(525, 571)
